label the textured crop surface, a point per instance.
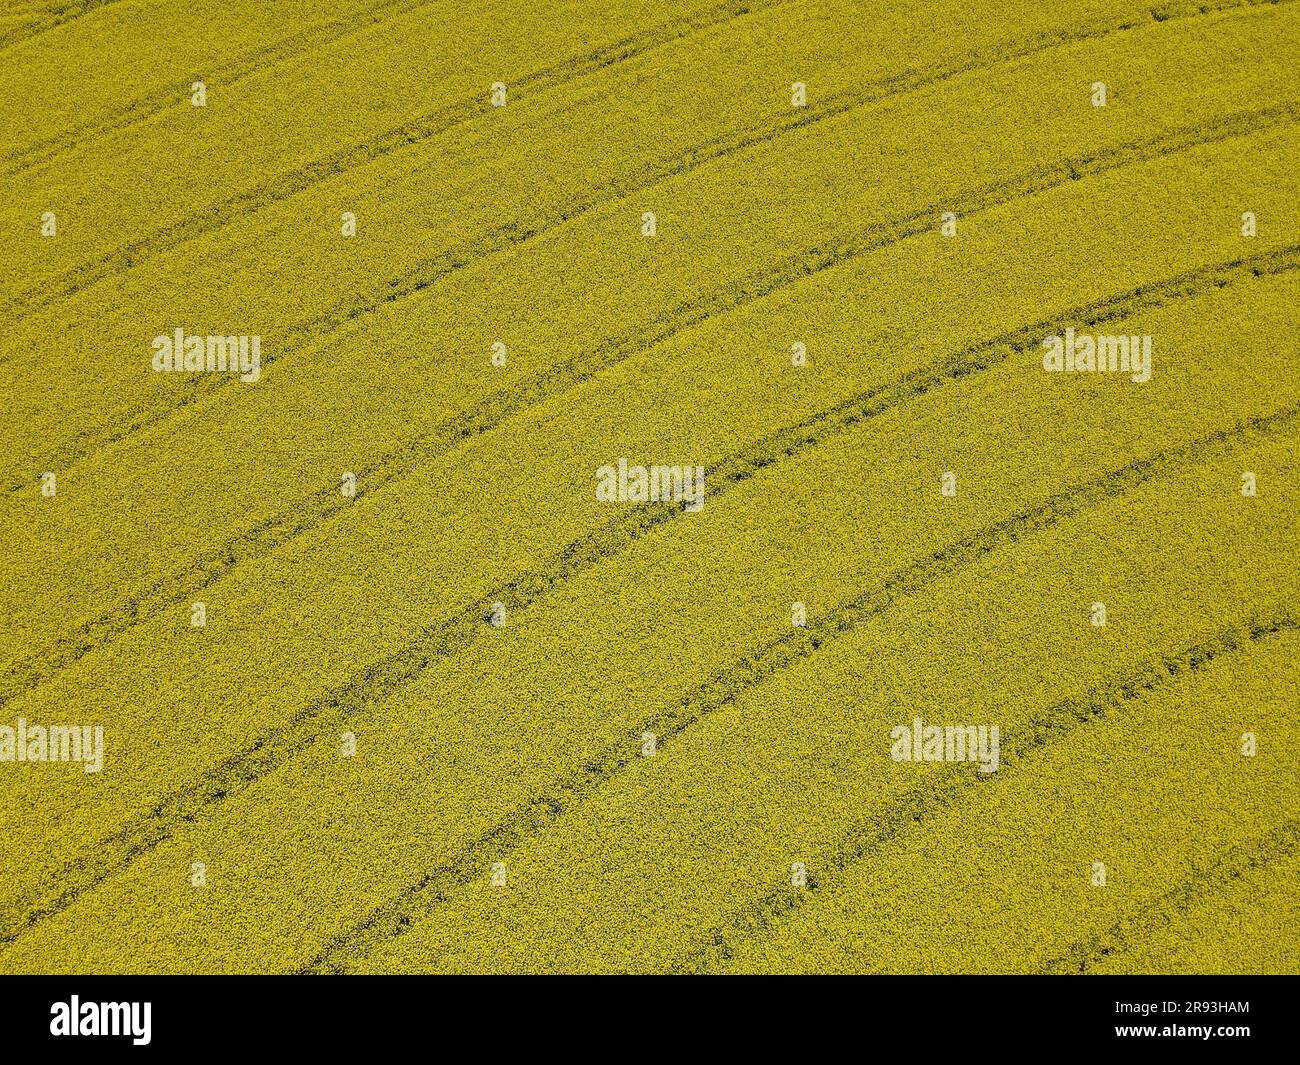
(767, 486)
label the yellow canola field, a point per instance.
(468, 715)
